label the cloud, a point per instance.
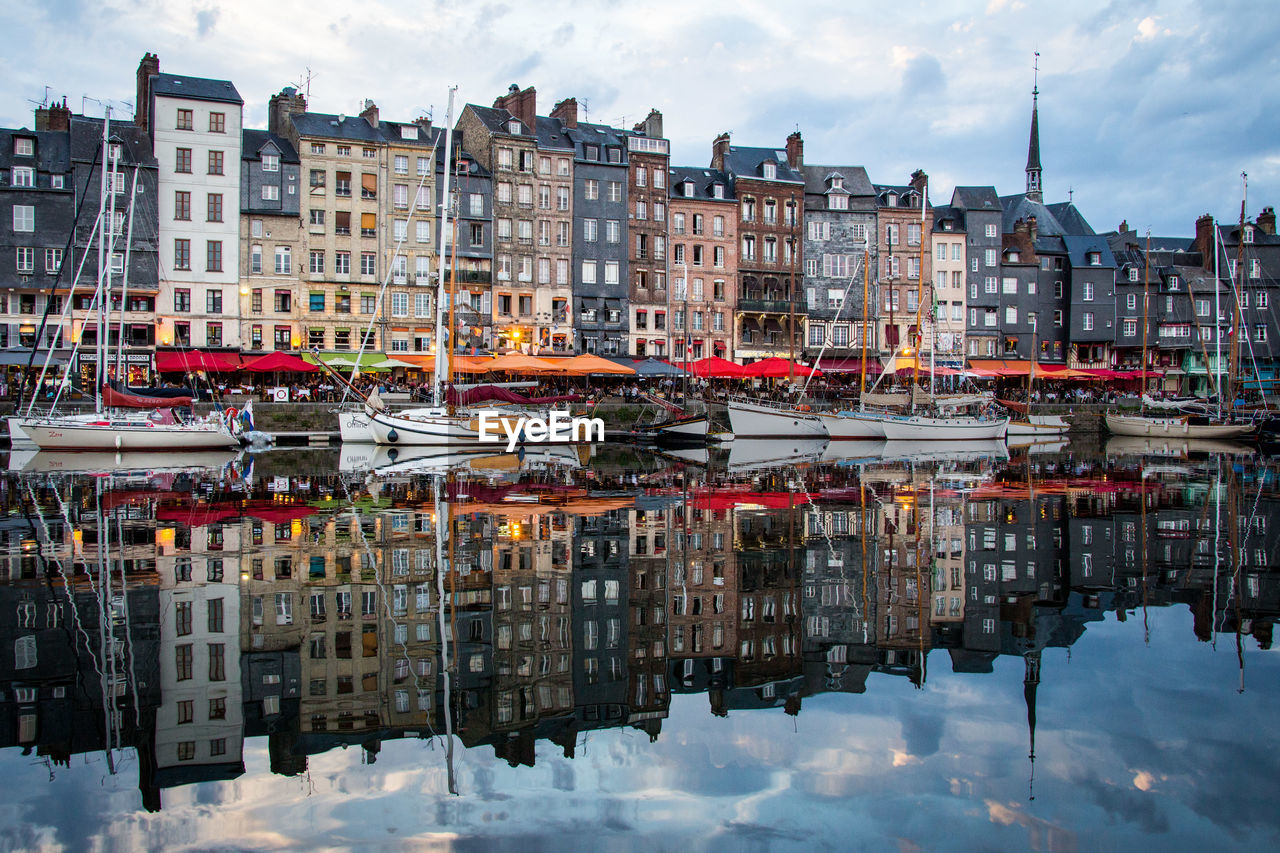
(206, 20)
(923, 76)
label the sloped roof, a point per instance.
(1079, 246)
(744, 162)
(52, 149)
(976, 198)
(855, 179)
(199, 88)
(86, 141)
(945, 212)
(497, 120)
(1057, 220)
(251, 142)
(702, 180)
(553, 135)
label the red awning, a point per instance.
(196, 515)
(280, 361)
(185, 361)
(778, 368)
(713, 368)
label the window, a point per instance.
(591, 189)
(213, 256)
(589, 227)
(368, 263)
(182, 205)
(270, 192)
(215, 162)
(612, 231)
(615, 191)
(24, 217)
(315, 262)
(183, 657)
(1087, 292)
(1130, 328)
(23, 147)
(182, 300)
(213, 302)
(182, 160)
(53, 261)
(1087, 321)
(1260, 332)
(913, 234)
(217, 662)
(185, 120)
(214, 207)
(342, 263)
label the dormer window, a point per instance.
(1013, 257)
(23, 146)
(1133, 273)
(946, 226)
(1173, 282)
(270, 162)
(836, 201)
(513, 127)
(1248, 233)
(837, 182)
(687, 186)
(717, 190)
(1093, 259)
(592, 152)
(892, 200)
(770, 171)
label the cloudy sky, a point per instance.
(1150, 109)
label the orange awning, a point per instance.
(461, 363)
(587, 363)
(517, 363)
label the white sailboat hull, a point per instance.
(756, 420)
(687, 428)
(920, 428)
(843, 426)
(433, 427)
(117, 434)
(1180, 427)
(1039, 425)
(353, 427)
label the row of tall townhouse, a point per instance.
(571, 236)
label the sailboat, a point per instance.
(859, 424)
(1028, 425)
(149, 420)
(1188, 425)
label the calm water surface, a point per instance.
(775, 647)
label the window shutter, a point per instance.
(368, 221)
(369, 182)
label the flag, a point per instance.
(246, 417)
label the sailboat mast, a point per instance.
(1146, 305)
(107, 232)
(866, 313)
(444, 336)
(1217, 315)
(1237, 318)
(121, 373)
(1031, 374)
(915, 365)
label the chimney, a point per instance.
(1124, 226)
(1267, 220)
(280, 107)
(54, 117)
(795, 150)
(1203, 242)
(523, 104)
(147, 68)
(651, 126)
(920, 181)
(719, 151)
(424, 122)
(1032, 230)
(567, 112)
(370, 113)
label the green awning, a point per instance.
(367, 362)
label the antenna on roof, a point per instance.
(586, 109)
(1035, 87)
(1071, 192)
(41, 103)
(305, 84)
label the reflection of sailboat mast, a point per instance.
(1030, 682)
(444, 565)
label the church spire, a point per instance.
(1034, 189)
(1030, 682)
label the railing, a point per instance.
(470, 276)
(780, 306)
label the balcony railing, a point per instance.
(470, 276)
(777, 306)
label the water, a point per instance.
(793, 647)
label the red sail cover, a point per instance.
(492, 393)
(121, 400)
(1020, 408)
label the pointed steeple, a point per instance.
(1030, 682)
(1034, 189)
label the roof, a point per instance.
(358, 129)
(1054, 220)
(855, 179)
(945, 212)
(496, 120)
(52, 150)
(252, 142)
(474, 169)
(552, 134)
(601, 135)
(1079, 246)
(976, 198)
(1033, 146)
(86, 141)
(702, 180)
(901, 190)
(744, 162)
(198, 88)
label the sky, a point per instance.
(1149, 109)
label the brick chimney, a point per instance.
(1267, 220)
(280, 107)
(719, 151)
(1124, 226)
(147, 68)
(424, 122)
(1032, 229)
(54, 117)
(370, 113)
(795, 150)
(651, 126)
(1203, 242)
(920, 181)
(567, 112)
(523, 104)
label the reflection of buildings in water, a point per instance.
(565, 619)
